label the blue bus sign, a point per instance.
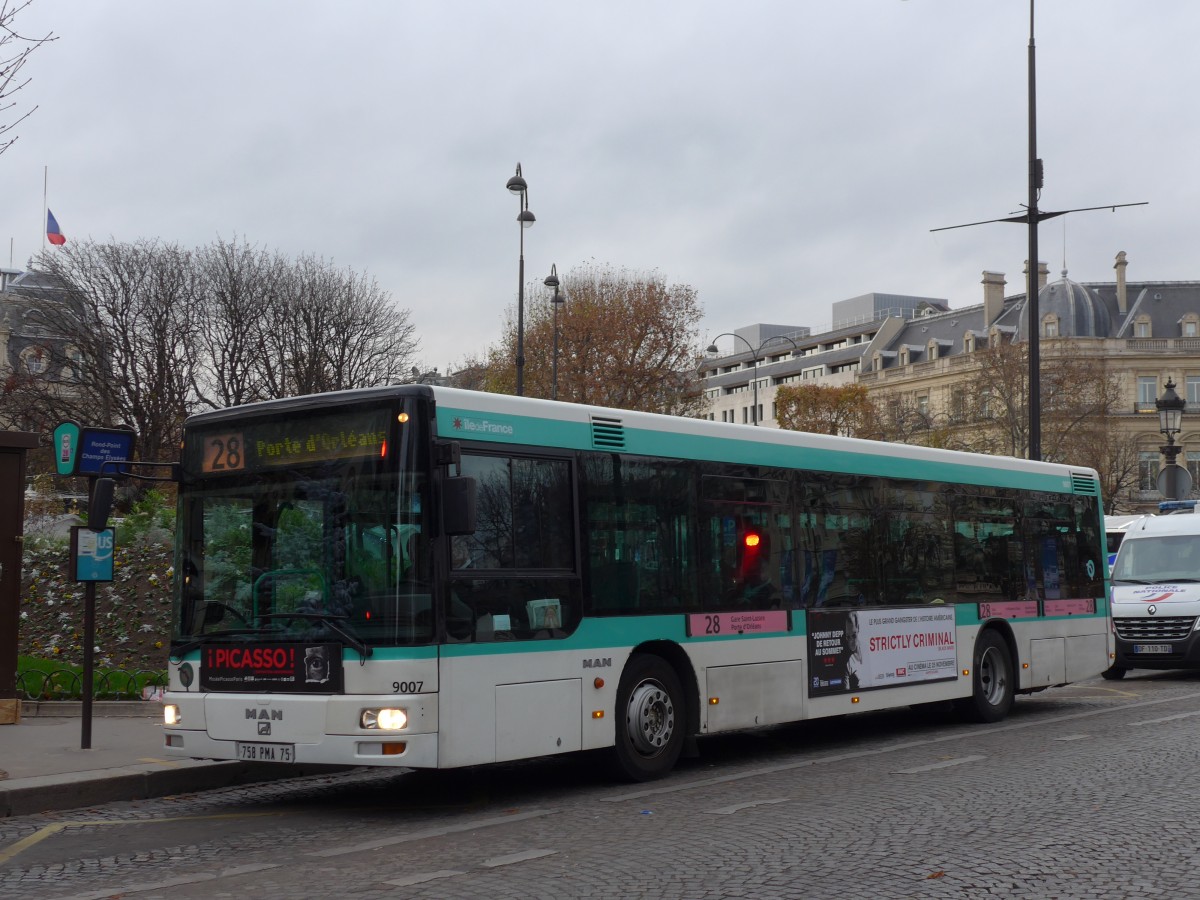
(91, 554)
(98, 446)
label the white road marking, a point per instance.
(422, 878)
(945, 764)
(198, 878)
(738, 807)
(432, 833)
(1173, 718)
(511, 858)
(908, 745)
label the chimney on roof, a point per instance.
(993, 297)
(1122, 296)
(1043, 274)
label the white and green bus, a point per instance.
(428, 577)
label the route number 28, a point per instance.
(223, 453)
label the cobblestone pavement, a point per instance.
(1086, 791)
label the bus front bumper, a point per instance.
(416, 751)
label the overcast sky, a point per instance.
(776, 156)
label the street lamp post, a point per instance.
(755, 355)
(517, 185)
(558, 299)
(1173, 480)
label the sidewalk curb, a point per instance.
(32, 709)
(51, 793)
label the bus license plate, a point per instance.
(1151, 648)
(283, 753)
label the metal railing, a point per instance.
(67, 684)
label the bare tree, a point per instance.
(272, 327)
(126, 323)
(241, 300)
(15, 49)
(625, 339)
(337, 329)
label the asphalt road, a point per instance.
(1085, 791)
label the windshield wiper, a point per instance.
(330, 621)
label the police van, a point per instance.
(1156, 595)
(1114, 533)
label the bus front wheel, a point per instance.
(650, 719)
(992, 681)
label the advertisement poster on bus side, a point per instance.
(864, 649)
(275, 667)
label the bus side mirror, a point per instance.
(458, 505)
(100, 504)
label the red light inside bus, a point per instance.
(752, 540)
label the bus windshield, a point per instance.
(303, 526)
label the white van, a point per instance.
(1114, 532)
(1156, 595)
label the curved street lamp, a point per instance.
(517, 185)
(755, 352)
(558, 300)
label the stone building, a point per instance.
(922, 359)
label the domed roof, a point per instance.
(1080, 312)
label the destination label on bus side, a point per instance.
(759, 621)
(1077, 606)
(1009, 609)
(274, 667)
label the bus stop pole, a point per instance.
(89, 642)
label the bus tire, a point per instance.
(992, 681)
(1113, 673)
(650, 719)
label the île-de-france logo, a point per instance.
(481, 426)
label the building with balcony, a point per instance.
(920, 361)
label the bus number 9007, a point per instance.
(407, 687)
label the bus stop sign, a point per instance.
(66, 446)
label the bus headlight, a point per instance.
(384, 719)
(171, 714)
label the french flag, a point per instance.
(53, 232)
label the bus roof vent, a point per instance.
(607, 434)
(1084, 484)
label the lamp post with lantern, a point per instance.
(518, 186)
(1174, 481)
(558, 299)
(755, 355)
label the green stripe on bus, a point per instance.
(469, 425)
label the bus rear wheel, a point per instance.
(992, 681)
(650, 719)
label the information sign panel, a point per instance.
(91, 554)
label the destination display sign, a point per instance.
(759, 621)
(258, 445)
(292, 667)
